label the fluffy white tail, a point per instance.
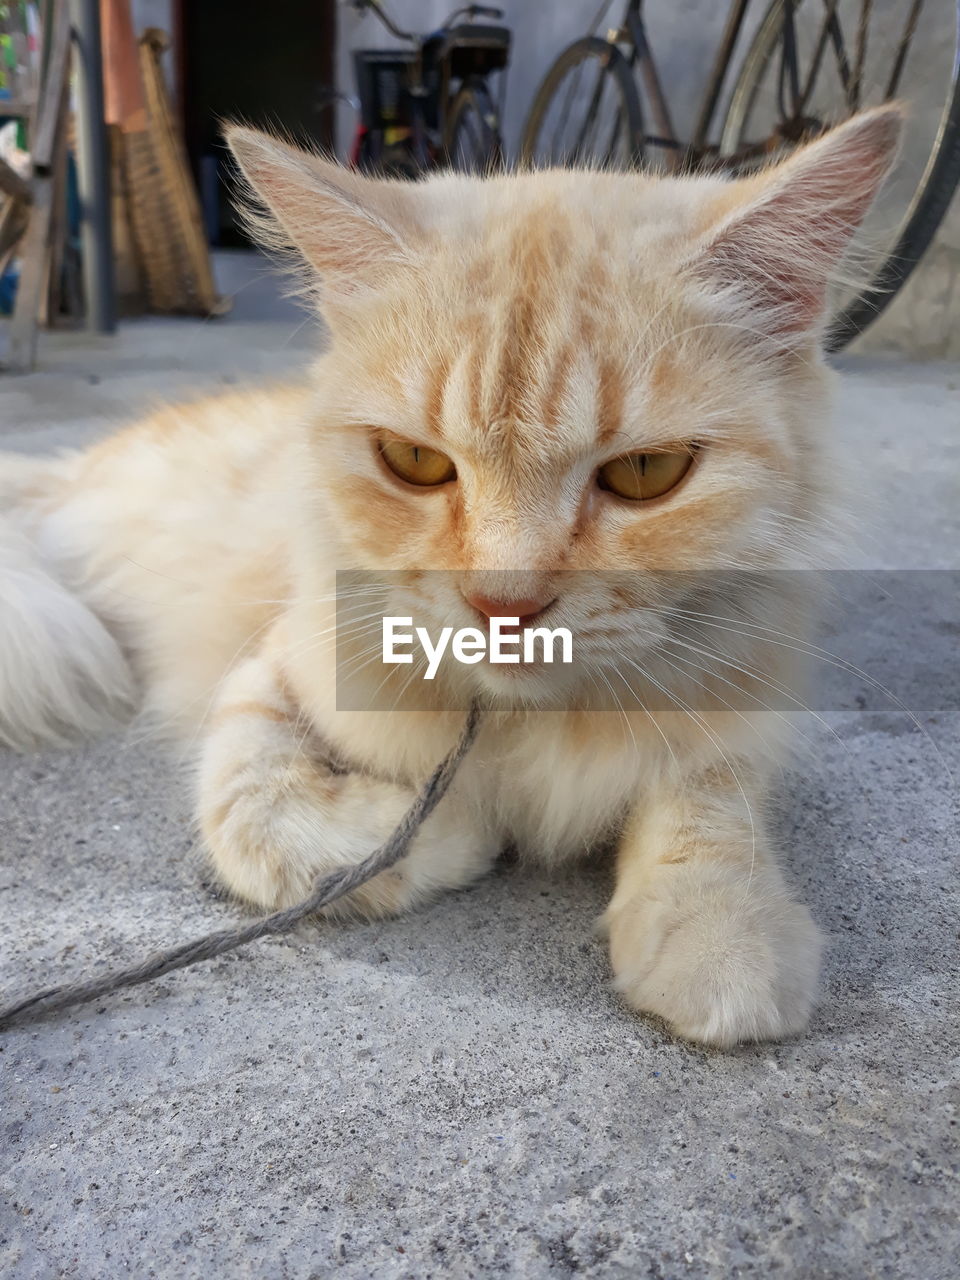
(62, 674)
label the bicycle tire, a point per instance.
(922, 218)
(473, 99)
(613, 63)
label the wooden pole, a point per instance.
(93, 169)
(35, 247)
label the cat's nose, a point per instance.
(527, 609)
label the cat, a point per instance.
(561, 374)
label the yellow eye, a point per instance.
(417, 464)
(641, 476)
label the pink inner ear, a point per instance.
(782, 261)
(782, 249)
(298, 206)
(336, 238)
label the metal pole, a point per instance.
(93, 169)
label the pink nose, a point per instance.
(526, 610)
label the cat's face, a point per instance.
(539, 377)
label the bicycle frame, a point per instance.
(689, 153)
(642, 56)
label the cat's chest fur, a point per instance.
(556, 788)
(553, 785)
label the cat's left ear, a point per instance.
(776, 239)
(350, 230)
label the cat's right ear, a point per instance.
(348, 229)
(777, 239)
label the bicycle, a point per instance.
(431, 106)
(800, 75)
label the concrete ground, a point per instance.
(459, 1093)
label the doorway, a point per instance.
(263, 64)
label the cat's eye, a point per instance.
(415, 463)
(642, 476)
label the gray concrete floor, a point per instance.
(458, 1093)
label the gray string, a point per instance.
(326, 889)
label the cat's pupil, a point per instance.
(416, 454)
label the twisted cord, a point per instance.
(326, 889)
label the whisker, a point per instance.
(798, 645)
(754, 673)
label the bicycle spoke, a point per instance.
(909, 31)
(857, 78)
(475, 138)
(565, 111)
(465, 144)
(822, 38)
(788, 62)
(469, 135)
(610, 153)
(590, 123)
(839, 48)
(852, 77)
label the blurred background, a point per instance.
(291, 66)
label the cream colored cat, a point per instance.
(556, 373)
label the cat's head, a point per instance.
(536, 374)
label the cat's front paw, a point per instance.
(721, 956)
(282, 823)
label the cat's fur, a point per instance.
(530, 326)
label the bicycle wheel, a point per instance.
(852, 54)
(471, 138)
(586, 111)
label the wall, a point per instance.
(924, 319)
(157, 13)
(152, 13)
